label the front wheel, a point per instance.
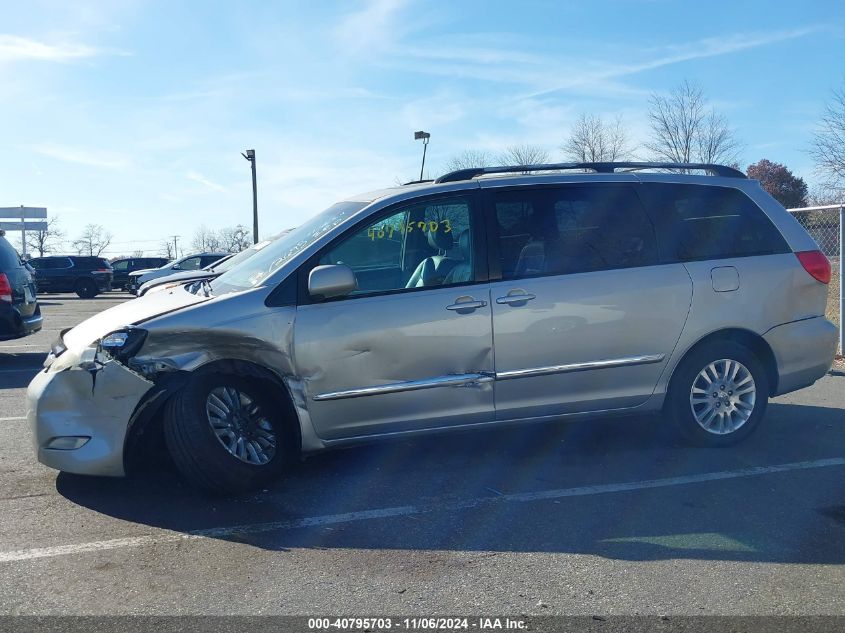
(225, 435)
(718, 394)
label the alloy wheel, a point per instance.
(722, 396)
(240, 425)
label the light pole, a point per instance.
(250, 156)
(424, 136)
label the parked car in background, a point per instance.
(86, 276)
(209, 272)
(467, 302)
(122, 267)
(19, 311)
(189, 262)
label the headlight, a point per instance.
(123, 344)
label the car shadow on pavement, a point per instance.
(461, 492)
(18, 369)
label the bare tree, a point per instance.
(167, 249)
(206, 240)
(45, 241)
(468, 159)
(595, 140)
(828, 145)
(523, 155)
(93, 240)
(234, 239)
(685, 129)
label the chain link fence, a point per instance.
(823, 224)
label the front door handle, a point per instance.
(517, 298)
(466, 304)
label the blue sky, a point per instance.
(132, 114)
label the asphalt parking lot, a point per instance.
(604, 517)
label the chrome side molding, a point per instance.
(460, 380)
(452, 380)
(571, 367)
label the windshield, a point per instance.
(230, 262)
(252, 271)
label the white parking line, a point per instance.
(22, 417)
(401, 511)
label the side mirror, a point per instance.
(176, 267)
(336, 280)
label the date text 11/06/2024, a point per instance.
(416, 624)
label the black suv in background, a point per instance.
(86, 276)
(122, 267)
(19, 311)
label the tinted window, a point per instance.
(707, 222)
(50, 263)
(8, 256)
(209, 260)
(552, 231)
(91, 263)
(423, 244)
(192, 263)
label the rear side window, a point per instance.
(698, 222)
(571, 229)
(8, 256)
(92, 263)
(51, 263)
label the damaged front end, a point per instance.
(79, 406)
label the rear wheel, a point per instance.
(86, 288)
(225, 435)
(718, 395)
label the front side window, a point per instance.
(192, 263)
(426, 244)
(121, 266)
(698, 222)
(574, 229)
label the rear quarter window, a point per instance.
(698, 222)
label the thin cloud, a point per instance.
(16, 48)
(701, 49)
(375, 24)
(198, 177)
(542, 72)
(82, 156)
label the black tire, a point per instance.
(678, 405)
(85, 288)
(201, 457)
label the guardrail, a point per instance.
(826, 224)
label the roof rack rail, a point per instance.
(417, 182)
(599, 168)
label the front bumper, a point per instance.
(75, 403)
(803, 351)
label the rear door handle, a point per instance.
(466, 304)
(520, 298)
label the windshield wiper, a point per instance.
(206, 287)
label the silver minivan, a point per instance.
(490, 296)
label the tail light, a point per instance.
(5, 289)
(815, 263)
(103, 270)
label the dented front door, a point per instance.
(396, 362)
(411, 349)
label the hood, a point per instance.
(185, 275)
(128, 313)
(138, 273)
